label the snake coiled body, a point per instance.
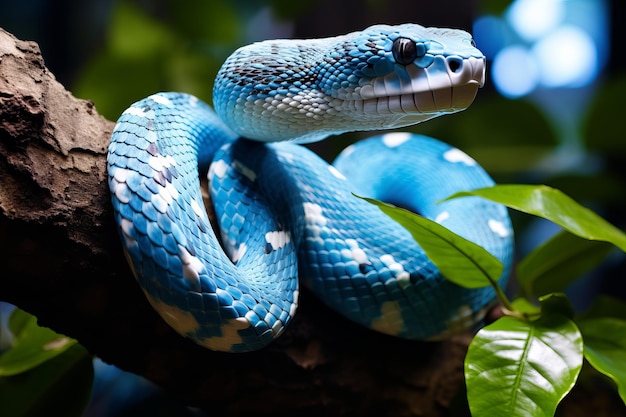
(285, 216)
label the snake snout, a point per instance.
(466, 70)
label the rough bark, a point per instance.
(61, 260)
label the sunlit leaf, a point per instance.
(60, 386)
(32, 345)
(522, 368)
(523, 305)
(553, 205)
(557, 262)
(605, 348)
(461, 261)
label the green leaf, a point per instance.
(461, 261)
(522, 368)
(605, 348)
(59, 386)
(32, 345)
(18, 321)
(556, 303)
(552, 204)
(557, 262)
(524, 306)
(605, 306)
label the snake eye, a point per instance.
(404, 51)
(473, 43)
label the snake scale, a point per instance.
(285, 216)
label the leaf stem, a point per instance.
(504, 300)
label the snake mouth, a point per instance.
(416, 94)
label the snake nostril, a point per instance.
(454, 64)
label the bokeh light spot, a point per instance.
(567, 58)
(533, 19)
(514, 71)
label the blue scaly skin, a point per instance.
(283, 213)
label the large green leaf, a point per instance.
(32, 345)
(522, 368)
(461, 261)
(60, 386)
(557, 262)
(552, 204)
(605, 348)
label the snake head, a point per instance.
(405, 74)
(380, 78)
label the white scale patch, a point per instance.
(390, 320)
(458, 156)
(237, 253)
(168, 192)
(230, 335)
(127, 229)
(159, 202)
(218, 168)
(498, 228)
(441, 217)
(287, 157)
(182, 321)
(157, 162)
(197, 208)
(294, 304)
(402, 276)
(278, 328)
(192, 267)
(393, 140)
(151, 136)
(121, 174)
(162, 100)
(171, 191)
(336, 172)
(247, 172)
(348, 151)
(120, 189)
(355, 252)
(277, 239)
(135, 111)
(313, 215)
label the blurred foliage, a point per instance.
(495, 7)
(42, 371)
(145, 53)
(603, 128)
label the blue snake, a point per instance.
(285, 216)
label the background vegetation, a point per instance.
(116, 52)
